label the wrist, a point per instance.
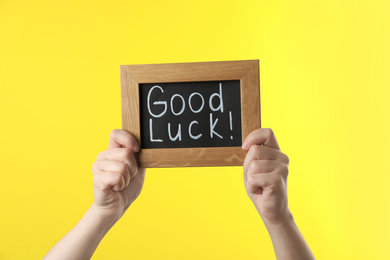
(281, 225)
(281, 220)
(106, 216)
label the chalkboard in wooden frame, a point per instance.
(245, 71)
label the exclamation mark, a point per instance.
(231, 123)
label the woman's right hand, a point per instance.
(117, 179)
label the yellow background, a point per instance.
(325, 80)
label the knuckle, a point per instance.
(252, 149)
(133, 170)
(252, 167)
(282, 170)
(95, 180)
(122, 167)
(250, 177)
(117, 178)
(255, 149)
(277, 171)
(285, 158)
(126, 153)
(285, 169)
(95, 167)
(278, 181)
(101, 156)
(269, 131)
(98, 181)
(114, 133)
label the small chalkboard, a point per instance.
(191, 114)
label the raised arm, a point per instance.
(265, 178)
(117, 183)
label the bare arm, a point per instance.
(265, 178)
(117, 183)
(82, 241)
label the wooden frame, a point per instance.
(246, 71)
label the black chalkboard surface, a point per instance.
(190, 114)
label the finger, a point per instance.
(138, 180)
(114, 166)
(109, 180)
(122, 155)
(263, 136)
(260, 181)
(257, 152)
(116, 154)
(120, 137)
(263, 166)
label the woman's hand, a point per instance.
(117, 179)
(265, 175)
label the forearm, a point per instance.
(82, 241)
(287, 240)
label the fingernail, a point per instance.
(244, 145)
